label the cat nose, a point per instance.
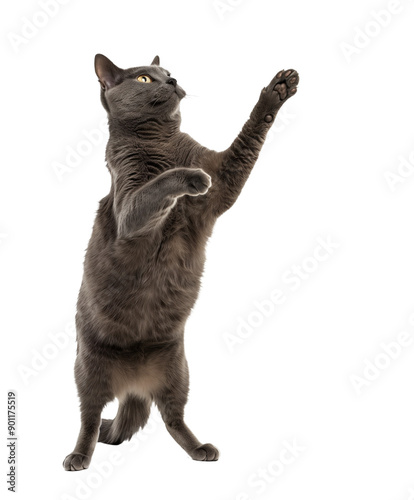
(172, 81)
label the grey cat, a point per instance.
(146, 255)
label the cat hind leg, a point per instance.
(171, 401)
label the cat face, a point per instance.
(138, 93)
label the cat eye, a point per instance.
(144, 79)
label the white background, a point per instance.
(320, 175)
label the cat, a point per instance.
(146, 254)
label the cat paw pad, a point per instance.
(283, 86)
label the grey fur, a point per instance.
(146, 255)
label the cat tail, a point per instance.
(133, 413)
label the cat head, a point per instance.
(141, 93)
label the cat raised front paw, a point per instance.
(283, 86)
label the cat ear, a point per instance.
(109, 75)
(156, 61)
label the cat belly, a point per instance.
(142, 379)
(159, 310)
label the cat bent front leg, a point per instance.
(147, 207)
